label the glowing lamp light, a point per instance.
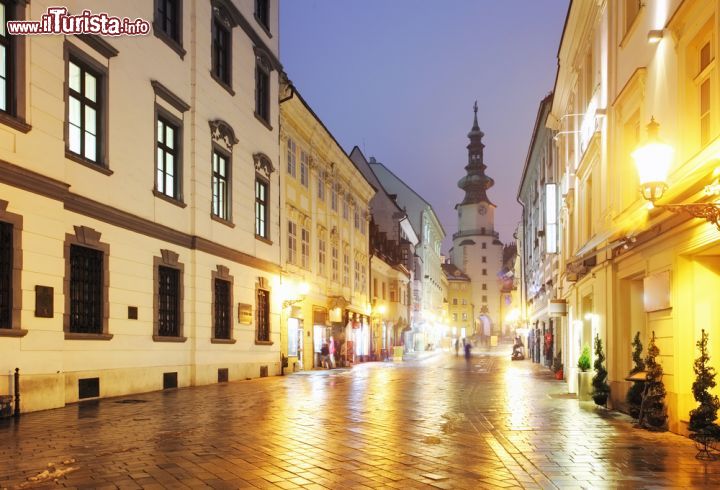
(655, 36)
(653, 161)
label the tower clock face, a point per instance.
(482, 209)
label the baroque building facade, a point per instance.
(324, 240)
(131, 258)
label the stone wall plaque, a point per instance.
(245, 313)
(44, 302)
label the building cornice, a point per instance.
(30, 181)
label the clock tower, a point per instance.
(477, 249)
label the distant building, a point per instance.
(427, 292)
(460, 305)
(539, 195)
(392, 251)
(477, 249)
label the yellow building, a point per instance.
(626, 267)
(459, 303)
(324, 241)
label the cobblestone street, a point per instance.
(436, 423)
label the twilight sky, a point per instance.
(398, 78)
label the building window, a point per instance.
(484, 272)
(168, 20)
(305, 247)
(464, 301)
(321, 254)
(304, 176)
(455, 317)
(346, 208)
(335, 263)
(464, 316)
(291, 158)
(484, 299)
(357, 275)
(484, 287)
(363, 221)
(262, 13)
(356, 218)
(333, 198)
(262, 90)
(346, 265)
(222, 310)
(86, 290)
(292, 242)
(262, 315)
(168, 308)
(705, 59)
(167, 178)
(85, 111)
(261, 208)
(384, 291)
(6, 274)
(220, 185)
(484, 245)
(221, 47)
(7, 55)
(321, 186)
(484, 260)
(374, 287)
(455, 302)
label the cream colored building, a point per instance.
(324, 240)
(128, 176)
(627, 268)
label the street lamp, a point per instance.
(653, 161)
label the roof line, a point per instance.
(413, 191)
(382, 187)
(533, 137)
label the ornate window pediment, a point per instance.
(263, 164)
(223, 133)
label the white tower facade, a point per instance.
(477, 248)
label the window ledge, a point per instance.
(89, 164)
(222, 221)
(162, 338)
(265, 28)
(14, 122)
(222, 341)
(223, 84)
(87, 336)
(172, 43)
(169, 199)
(264, 342)
(12, 332)
(263, 239)
(263, 121)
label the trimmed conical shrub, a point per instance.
(601, 390)
(653, 414)
(634, 394)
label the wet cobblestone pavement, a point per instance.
(436, 423)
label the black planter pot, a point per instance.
(600, 399)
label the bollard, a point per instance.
(17, 392)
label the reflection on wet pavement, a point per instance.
(438, 423)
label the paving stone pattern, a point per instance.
(435, 423)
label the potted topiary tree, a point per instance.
(634, 394)
(558, 365)
(653, 414)
(601, 390)
(702, 425)
(584, 376)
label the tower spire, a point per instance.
(475, 183)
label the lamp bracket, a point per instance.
(710, 211)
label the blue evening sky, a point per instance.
(398, 78)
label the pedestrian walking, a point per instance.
(457, 347)
(468, 348)
(325, 356)
(332, 348)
